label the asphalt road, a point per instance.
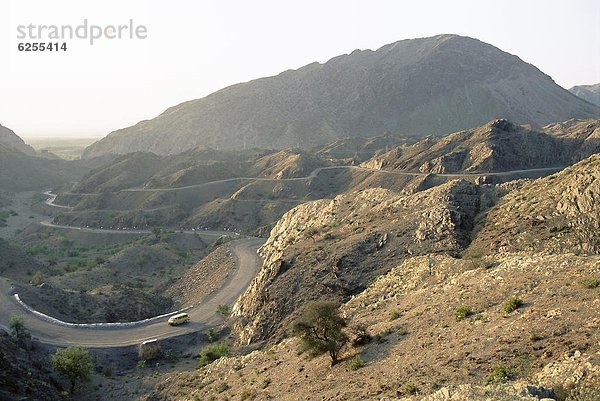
(48, 223)
(202, 315)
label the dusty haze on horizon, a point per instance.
(195, 48)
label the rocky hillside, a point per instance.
(496, 146)
(25, 375)
(10, 139)
(335, 248)
(21, 169)
(559, 213)
(356, 150)
(437, 85)
(591, 93)
(15, 263)
(197, 166)
(421, 350)
(503, 319)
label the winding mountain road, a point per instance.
(316, 172)
(213, 233)
(201, 315)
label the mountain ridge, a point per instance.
(439, 84)
(591, 93)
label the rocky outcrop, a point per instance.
(335, 248)
(494, 147)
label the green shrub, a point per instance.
(463, 312)
(38, 278)
(223, 311)
(247, 394)
(213, 352)
(591, 283)
(212, 335)
(16, 323)
(409, 389)
(499, 374)
(356, 363)
(171, 356)
(223, 387)
(512, 304)
(394, 315)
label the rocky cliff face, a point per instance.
(335, 248)
(430, 85)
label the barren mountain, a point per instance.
(21, 169)
(437, 85)
(591, 93)
(9, 138)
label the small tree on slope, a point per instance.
(320, 328)
(74, 364)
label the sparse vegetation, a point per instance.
(212, 335)
(38, 278)
(359, 335)
(580, 393)
(171, 356)
(17, 327)
(320, 328)
(213, 352)
(223, 387)
(394, 315)
(402, 331)
(499, 374)
(247, 395)
(591, 283)
(512, 304)
(463, 312)
(535, 336)
(409, 389)
(223, 311)
(355, 363)
(74, 364)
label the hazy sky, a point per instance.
(196, 47)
